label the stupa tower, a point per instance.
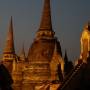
(41, 50)
(9, 51)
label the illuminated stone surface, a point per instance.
(43, 58)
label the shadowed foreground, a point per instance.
(5, 78)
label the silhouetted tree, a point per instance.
(68, 66)
(66, 63)
(5, 78)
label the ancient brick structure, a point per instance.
(44, 64)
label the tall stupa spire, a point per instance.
(10, 41)
(45, 29)
(9, 51)
(46, 23)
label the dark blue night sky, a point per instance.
(68, 19)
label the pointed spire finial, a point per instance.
(11, 24)
(65, 57)
(22, 54)
(46, 23)
(10, 41)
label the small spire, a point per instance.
(46, 17)
(10, 41)
(22, 54)
(65, 57)
(57, 47)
